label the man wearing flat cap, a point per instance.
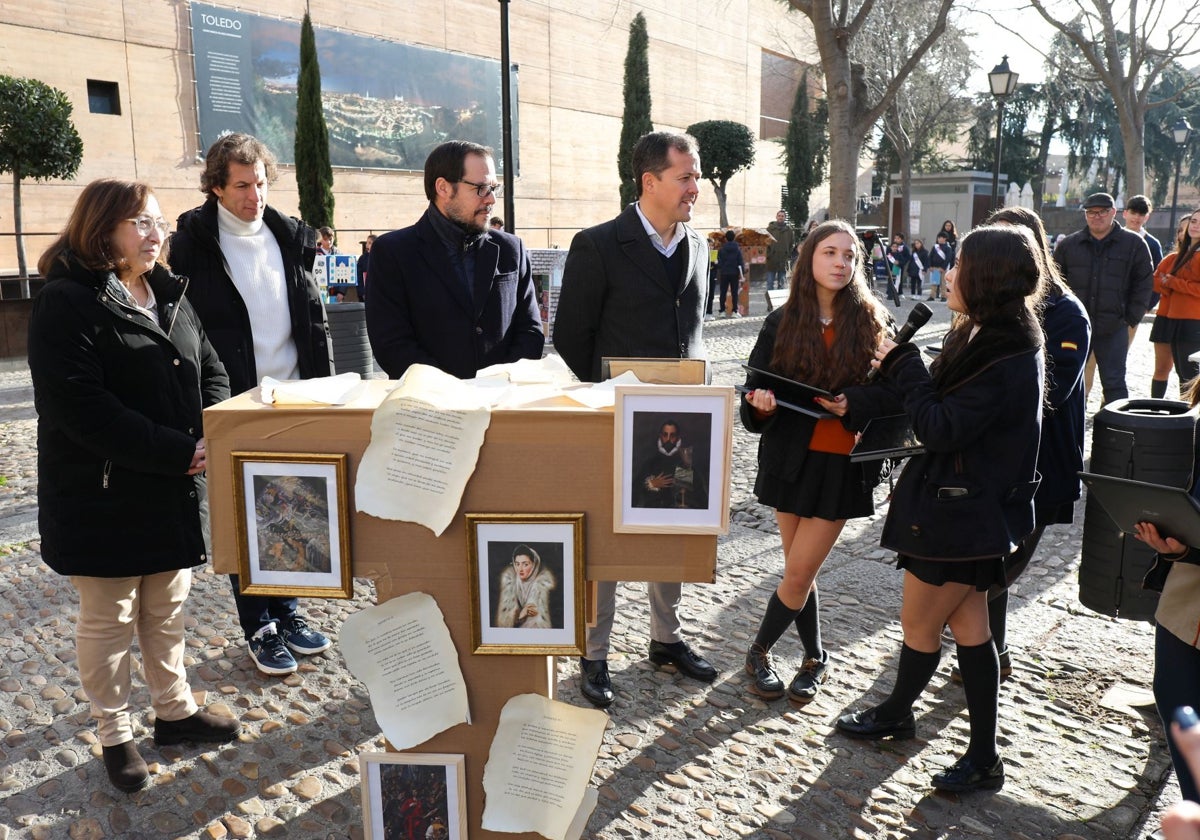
(1109, 269)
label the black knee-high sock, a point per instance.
(808, 625)
(998, 618)
(774, 621)
(980, 669)
(1158, 388)
(913, 674)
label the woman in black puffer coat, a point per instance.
(121, 374)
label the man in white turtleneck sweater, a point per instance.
(251, 283)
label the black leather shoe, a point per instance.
(686, 660)
(866, 726)
(125, 767)
(965, 775)
(810, 676)
(594, 682)
(199, 728)
(766, 683)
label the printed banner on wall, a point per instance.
(386, 104)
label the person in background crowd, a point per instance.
(1136, 214)
(633, 287)
(253, 287)
(917, 264)
(1108, 268)
(1178, 276)
(951, 232)
(963, 505)
(449, 291)
(731, 267)
(364, 263)
(325, 245)
(496, 223)
(825, 335)
(714, 283)
(1163, 330)
(121, 373)
(941, 260)
(779, 252)
(898, 258)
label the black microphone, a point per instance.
(919, 316)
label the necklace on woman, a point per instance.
(825, 322)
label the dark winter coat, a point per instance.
(918, 261)
(196, 253)
(618, 301)
(119, 403)
(970, 495)
(944, 259)
(421, 311)
(1112, 276)
(730, 261)
(1060, 455)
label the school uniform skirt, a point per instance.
(829, 487)
(980, 575)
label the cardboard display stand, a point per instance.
(543, 460)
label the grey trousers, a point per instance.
(664, 622)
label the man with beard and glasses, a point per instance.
(448, 291)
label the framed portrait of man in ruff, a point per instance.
(672, 449)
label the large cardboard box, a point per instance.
(533, 461)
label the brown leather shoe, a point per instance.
(126, 768)
(200, 728)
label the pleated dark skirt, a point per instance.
(1162, 330)
(978, 574)
(829, 487)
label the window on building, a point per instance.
(103, 97)
(780, 78)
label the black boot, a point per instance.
(126, 768)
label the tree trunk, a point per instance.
(719, 192)
(1038, 181)
(22, 268)
(905, 225)
(843, 149)
(1133, 127)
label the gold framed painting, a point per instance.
(526, 579)
(672, 450)
(293, 524)
(414, 795)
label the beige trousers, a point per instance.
(110, 611)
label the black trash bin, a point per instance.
(348, 331)
(1150, 440)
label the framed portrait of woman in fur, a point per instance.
(526, 576)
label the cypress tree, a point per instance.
(314, 175)
(635, 121)
(805, 152)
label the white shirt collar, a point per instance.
(665, 248)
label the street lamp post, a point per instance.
(1003, 82)
(1182, 133)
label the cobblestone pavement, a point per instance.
(1084, 751)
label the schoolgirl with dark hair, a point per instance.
(825, 336)
(965, 504)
